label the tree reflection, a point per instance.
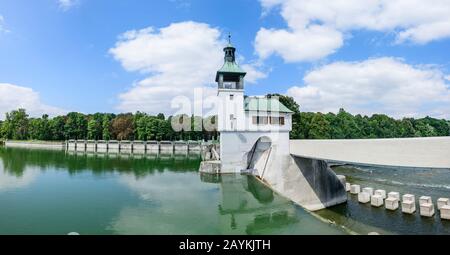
(15, 162)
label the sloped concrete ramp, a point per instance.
(307, 182)
(430, 152)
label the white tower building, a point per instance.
(252, 129)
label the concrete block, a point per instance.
(376, 200)
(445, 212)
(409, 197)
(427, 209)
(391, 203)
(425, 200)
(347, 186)
(394, 195)
(342, 179)
(368, 190)
(355, 189)
(363, 197)
(381, 192)
(442, 201)
(408, 206)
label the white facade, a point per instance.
(231, 115)
(239, 132)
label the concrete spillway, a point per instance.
(430, 152)
(307, 182)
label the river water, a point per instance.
(54, 192)
(364, 218)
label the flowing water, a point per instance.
(53, 192)
(364, 218)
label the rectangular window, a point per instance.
(264, 120)
(231, 97)
(260, 120)
(277, 121)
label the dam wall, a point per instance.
(428, 152)
(308, 182)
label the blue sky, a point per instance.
(118, 56)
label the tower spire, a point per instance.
(229, 37)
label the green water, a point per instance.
(52, 192)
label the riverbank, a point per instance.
(49, 145)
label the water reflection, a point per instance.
(8, 181)
(248, 206)
(15, 161)
(138, 194)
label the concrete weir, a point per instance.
(134, 147)
(308, 182)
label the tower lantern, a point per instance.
(231, 75)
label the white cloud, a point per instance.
(10, 182)
(67, 4)
(13, 97)
(382, 85)
(177, 59)
(2, 25)
(253, 72)
(316, 28)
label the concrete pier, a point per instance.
(445, 212)
(363, 197)
(426, 209)
(425, 200)
(442, 201)
(381, 192)
(355, 189)
(394, 194)
(376, 200)
(391, 203)
(409, 204)
(368, 190)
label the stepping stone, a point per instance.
(391, 203)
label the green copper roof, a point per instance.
(231, 67)
(265, 104)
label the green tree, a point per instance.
(304, 124)
(344, 126)
(94, 129)
(320, 127)
(407, 127)
(16, 125)
(106, 127)
(75, 126)
(424, 129)
(56, 126)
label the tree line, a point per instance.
(104, 126)
(141, 126)
(344, 125)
